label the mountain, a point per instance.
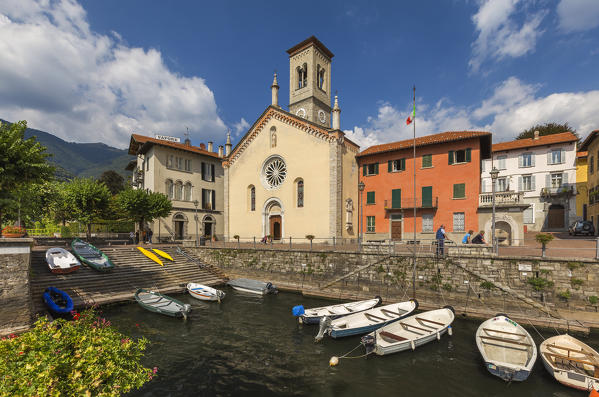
(81, 159)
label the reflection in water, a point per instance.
(249, 345)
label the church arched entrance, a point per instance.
(273, 219)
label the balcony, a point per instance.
(502, 199)
(408, 203)
(564, 190)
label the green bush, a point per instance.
(593, 299)
(543, 238)
(86, 356)
(576, 282)
(487, 285)
(565, 295)
(539, 284)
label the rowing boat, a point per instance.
(410, 332)
(366, 321)
(159, 303)
(91, 256)
(253, 286)
(205, 293)
(314, 315)
(507, 349)
(571, 362)
(150, 255)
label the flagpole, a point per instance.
(414, 217)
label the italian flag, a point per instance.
(412, 116)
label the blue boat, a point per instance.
(58, 301)
(366, 321)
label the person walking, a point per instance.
(137, 237)
(132, 237)
(150, 234)
(467, 237)
(440, 236)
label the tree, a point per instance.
(113, 180)
(87, 200)
(143, 206)
(547, 129)
(22, 161)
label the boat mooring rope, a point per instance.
(335, 360)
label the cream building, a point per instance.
(294, 173)
(191, 177)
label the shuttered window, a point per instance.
(427, 161)
(370, 169)
(396, 198)
(370, 226)
(370, 198)
(459, 190)
(529, 214)
(427, 196)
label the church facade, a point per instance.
(294, 173)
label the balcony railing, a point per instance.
(564, 190)
(432, 202)
(502, 199)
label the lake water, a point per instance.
(252, 346)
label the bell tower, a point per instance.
(310, 81)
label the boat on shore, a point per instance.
(366, 321)
(253, 286)
(163, 304)
(61, 261)
(507, 349)
(410, 332)
(150, 255)
(91, 256)
(314, 315)
(571, 362)
(57, 301)
(205, 293)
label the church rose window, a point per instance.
(274, 172)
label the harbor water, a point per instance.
(252, 346)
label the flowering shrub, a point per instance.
(13, 230)
(86, 356)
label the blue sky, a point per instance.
(98, 70)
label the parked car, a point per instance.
(581, 227)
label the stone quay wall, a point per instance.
(476, 284)
(15, 295)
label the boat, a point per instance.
(204, 292)
(507, 349)
(150, 255)
(163, 254)
(253, 286)
(58, 301)
(314, 315)
(410, 332)
(61, 261)
(91, 256)
(571, 362)
(366, 321)
(159, 303)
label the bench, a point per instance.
(389, 335)
(494, 338)
(391, 314)
(421, 320)
(503, 332)
(374, 318)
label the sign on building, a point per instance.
(168, 138)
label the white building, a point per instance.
(540, 172)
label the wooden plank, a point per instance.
(429, 321)
(503, 332)
(505, 340)
(393, 336)
(566, 358)
(406, 325)
(571, 350)
(368, 316)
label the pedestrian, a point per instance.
(440, 236)
(479, 238)
(137, 237)
(150, 234)
(143, 236)
(264, 240)
(132, 237)
(467, 237)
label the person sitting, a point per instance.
(479, 238)
(264, 240)
(466, 239)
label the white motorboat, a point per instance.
(205, 293)
(253, 286)
(61, 261)
(314, 315)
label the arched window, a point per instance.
(178, 190)
(300, 193)
(320, 77)
(302, 76)
(169, 189)
(251, 198)
(188, 191)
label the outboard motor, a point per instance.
(271, 289)
(369, 342)
(324, 324)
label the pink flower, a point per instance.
(137, 325)
(20, 353)
(154, 370)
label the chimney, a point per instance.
(536, 135)
(210, 146)
(221, 151)
(203, 146)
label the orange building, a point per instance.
(448, 167)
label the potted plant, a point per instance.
(13, 231)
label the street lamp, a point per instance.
(196, 203)
(361, 186)
(494, 172)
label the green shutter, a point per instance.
(402, 164)
(468, 155)
(376, 168)
(427, 196)
(370, 198)
(450, 157)
(427, 161)
(396, 198)
(364, 169)
(389, 166)
(459, 190)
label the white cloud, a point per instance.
(63, 78)
(499, 35)
(240, 127)
(578, 15)
(512, 108)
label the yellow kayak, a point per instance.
(163, 254)
(150, 255)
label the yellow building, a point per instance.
(582, 196)
(591, 146)
(294, 173)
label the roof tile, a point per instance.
(181, 146)
(531, 142)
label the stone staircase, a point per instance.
(132, 270)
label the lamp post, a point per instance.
(360, 222)
(196, 203)
(494, 172)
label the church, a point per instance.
(294, 173)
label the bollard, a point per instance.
(289, 242)
(254, 242)
(597, 248)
